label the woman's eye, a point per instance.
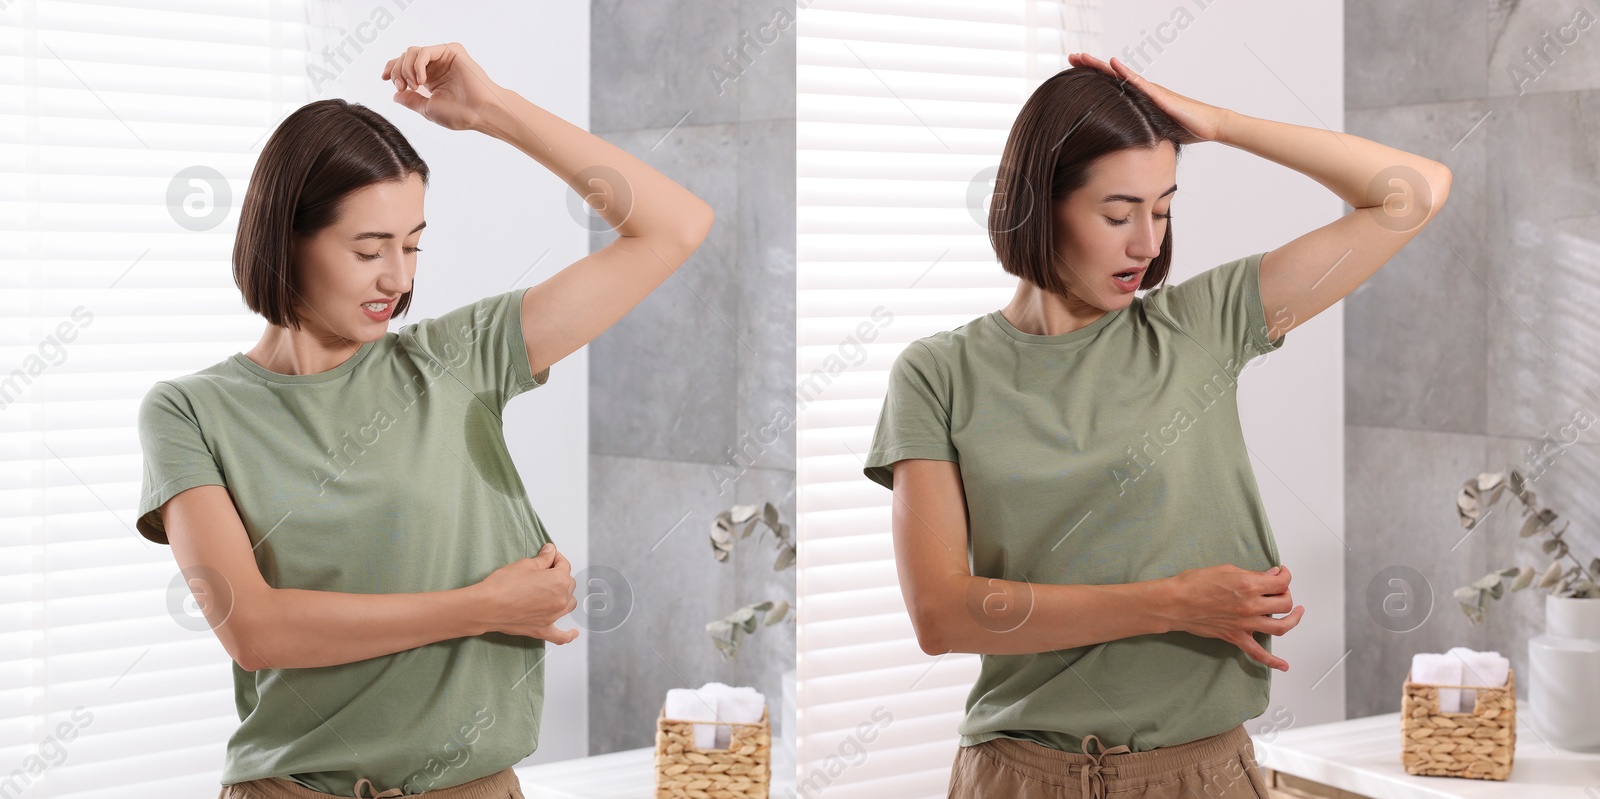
(377, 255)
(1125, 221)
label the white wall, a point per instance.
(492, 212)
(1285, 62)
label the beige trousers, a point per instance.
(502, 784)
(1222, 766)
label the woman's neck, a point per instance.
(1038, 312)
(300, 352)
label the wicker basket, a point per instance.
(742, 771)
(1476, 745)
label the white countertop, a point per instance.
(1363, 755)
(629, 774)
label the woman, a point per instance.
(1082, 447)
(341, 498)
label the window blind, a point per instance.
(127, 136)
(903, 111)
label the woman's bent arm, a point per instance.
(1003, 617)
(953, 611)
(298, 629)
(265, 627)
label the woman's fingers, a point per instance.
(1280, 603)
(1260, 654)
(1125, 71)
(407, 76)
(1276, 626)
(427, 56)
(555, 635)
(1086, 60)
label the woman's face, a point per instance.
(1115, 223)
(368, 255)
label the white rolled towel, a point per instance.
(740, 704)
(1436, 669)
(1488, 669)
(688, 704)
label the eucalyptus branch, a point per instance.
(1579, 582)
(741, 520)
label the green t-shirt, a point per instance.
(387, 474)
(1125, 434)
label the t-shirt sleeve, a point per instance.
(915, 420)
(1221, 309)
(481, 345)
(175, 453)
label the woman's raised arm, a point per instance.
(658, 222)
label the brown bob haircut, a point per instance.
(1073, 118)
(319, 154)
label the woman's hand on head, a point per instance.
(459, 94)
(1204, 122)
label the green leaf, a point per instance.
(1530, 527)
(1550, 576)
(769, 514)
(1487, 581)
(779, 609)
(1495, 497)
(1523, 579)
(741, 513)
(1467, 506)
(785, 559)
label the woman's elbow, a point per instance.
(1439, 186)
(699, 226)
(240, 636)
(928, 624)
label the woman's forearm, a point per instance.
(636, 200)
(1005, 617)
(291, 628)
(1344, 163)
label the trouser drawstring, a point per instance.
(372, 789)
(1092, 769)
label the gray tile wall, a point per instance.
(1480, 338)
(681, 386)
